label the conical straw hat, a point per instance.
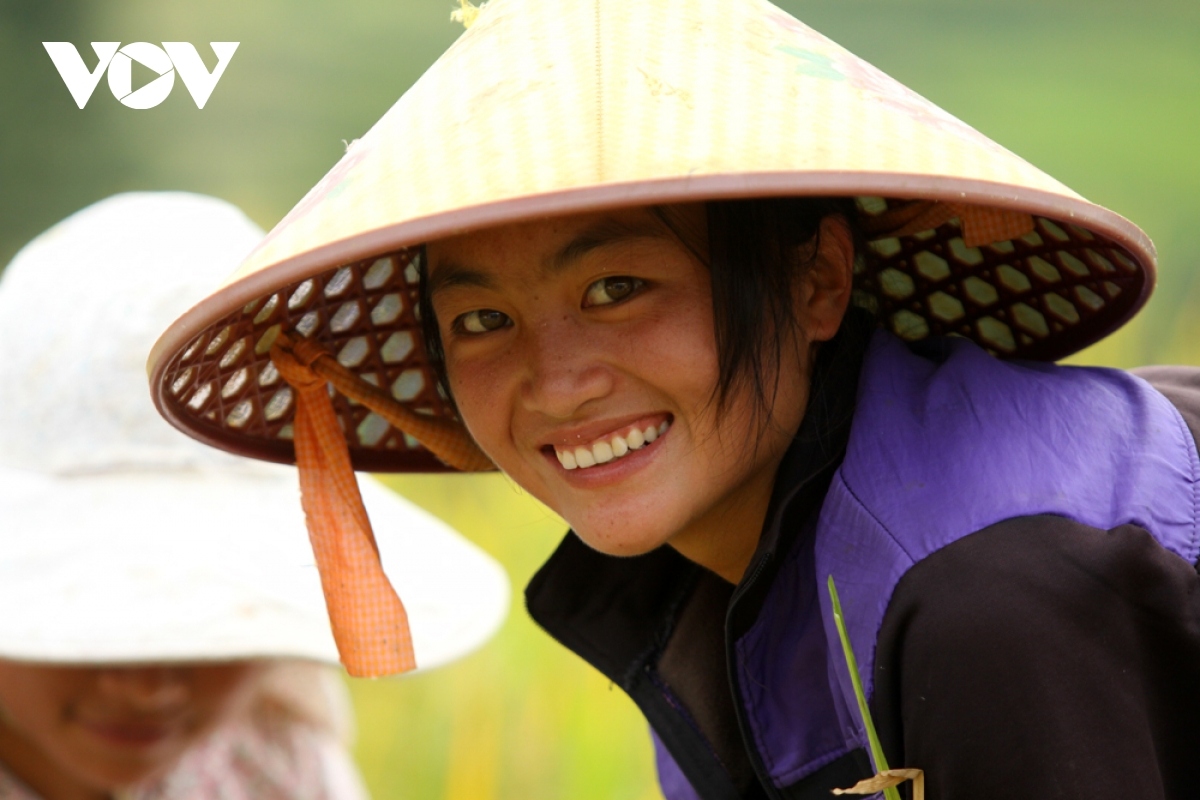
(125, 541)
(544, 107)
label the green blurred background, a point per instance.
(1103, 95)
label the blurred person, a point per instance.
(188, 729)
(164, 634)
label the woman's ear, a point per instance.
(827, 283)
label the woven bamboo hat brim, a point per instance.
(125, 541)
(546, 107)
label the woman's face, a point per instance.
(75, 731)
(581, 354)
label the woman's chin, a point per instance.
(621, 540)
(115, 772)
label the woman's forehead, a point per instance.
(528, 234)
(547, 246)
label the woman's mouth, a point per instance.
(129, 734)
(610, 447)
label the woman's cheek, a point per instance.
(480, 387)
(680, 347)
(35, 696)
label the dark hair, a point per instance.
(757, 250)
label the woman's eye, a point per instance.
(482, 321)
(611, 290)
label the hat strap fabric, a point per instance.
(981, 225)
(445, 438)
(370, 625)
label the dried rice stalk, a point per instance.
(886, 780)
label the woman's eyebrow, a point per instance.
(451, 273)
(605, 233)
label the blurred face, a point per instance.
(83, 731)
(581, 353)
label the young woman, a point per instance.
(163, 633)
(1049, 617)
(737, 306)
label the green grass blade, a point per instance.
(852, 664)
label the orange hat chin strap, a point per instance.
(445, 438)
(370, 625)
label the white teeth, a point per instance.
(602, 452)
(584, 458)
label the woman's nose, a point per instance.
(147, 688)
(565, 368)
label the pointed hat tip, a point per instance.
(467, 13)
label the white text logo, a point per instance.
(165, 61)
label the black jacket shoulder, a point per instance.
(1044, 635)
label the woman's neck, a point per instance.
(726, 538)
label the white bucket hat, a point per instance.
(125, 541)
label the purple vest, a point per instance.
(937, 451)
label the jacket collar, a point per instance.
(807, 466)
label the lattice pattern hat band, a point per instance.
(544, 107)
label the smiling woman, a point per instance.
(748, 314)
(571, 390)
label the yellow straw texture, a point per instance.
(544, 97)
